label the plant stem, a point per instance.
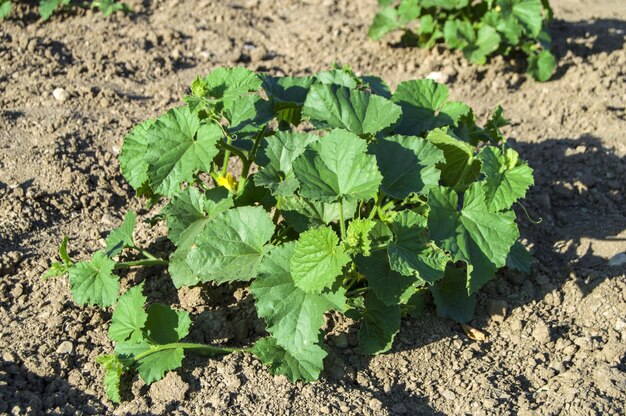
(247, 163)
(358, 291)
(144, 262)
(189, 346)
(279, 201)
(341, 222)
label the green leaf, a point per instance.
(5, 9)
(231, 246)
(389, 286)
(519, 259)
(301, 365)
(275, 158)
(330, 106)
(60, 269)
(228, 83)
(475, 235)
(48, 7)
(294, 317)
(302, 214)
(425, 107)
(507, 178)
(151, 361)
(179, 146)
(461, 168)
(129, 317)
(336, 168)
(487, 42)
(93, 282)
(541, 66)
(287, 95)
(411, 253)
(165, 325)
(190, 210)
(113, 370)
(408, 164)
(122, 236)
(527, 13)
(451, 296)
(132, 156)
(343, 77)
(247, 114)
(317, 260)
(379, 326)
(358, 236)
(384, 22)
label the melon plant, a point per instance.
(480, 29)
(346, 197)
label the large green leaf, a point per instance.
(231, 246)
(317, 260)
(336, 168)
(129, 316)
(305, 364)
(526, 13)
(474, 234)
(411, 253)
(228, 83)
(165, 325)
(179, 146)
(133, 163)
(190, 210)
(294, 317)
(451, 296)
(287, 95)
(388, 285)
(379, 326)
(461, 168)
(356, 111)
(507, 178)
(275, 159)
(246, 114)
(408, 164)
(425, 107)
(153, 362)
(93, 282)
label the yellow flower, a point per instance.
(227, 182)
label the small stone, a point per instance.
(496, 310)
(66, 347)
(541, 333)
(618, 260)
(60, 95)
(17, 291)
(438, 77)
(449, 394)
(375, 404)
(620, 325)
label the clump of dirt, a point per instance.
(555, 340)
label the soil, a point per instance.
(560, 348)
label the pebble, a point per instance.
(541, 333)
(449, 394)
(375, 404)
(66, 347)
(620, 325)
(438, 77)
(60, 95)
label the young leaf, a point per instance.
(287, 95)
(461, 168)
(294, 317)
(408, 164)
(379, 326)
(306, 364)
(358, 238)
(451, 296)
(526, 13)
(113, 370)
(48, 7)
(275, 159)
(231, 246)
(384, 22)
(302, 214)
(129, 317)
(317, 260)
(337, 168)
(151, 361)
(541, 66)
(60, 269)
(121, 237)
(93, 282)
(411, 253)
(165, 325)
(506, 178)
(388, 285)
(475, 235)
(5, 8)
(330, 106)
(179, 146)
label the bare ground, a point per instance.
(561, 349)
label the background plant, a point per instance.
(48, 7)
(365, 202)
(478, 28)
